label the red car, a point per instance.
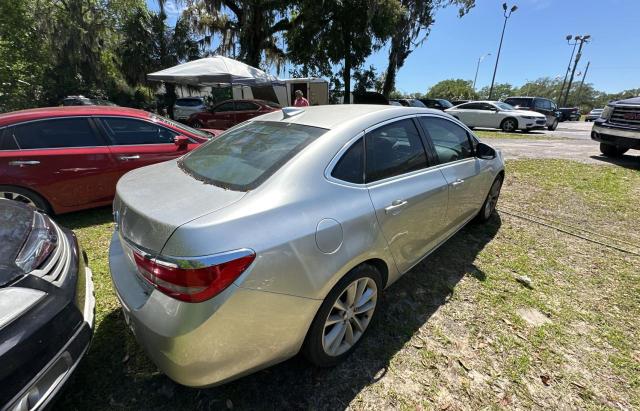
(65, 159)
(231, 112)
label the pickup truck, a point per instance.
(618, 128)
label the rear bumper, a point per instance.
(49, 380)
(235, 333)
(621, 137)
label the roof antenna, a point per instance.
(288, 112)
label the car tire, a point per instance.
(490, 203)
(612, 151)
(325, 331)
(553, 125)
(197, 124)
(509, 125)
(26, 196)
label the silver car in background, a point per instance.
(186, 106)
(281, 234)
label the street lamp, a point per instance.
(507, 14)
(566, 74)
(581, 40)
(478, 68)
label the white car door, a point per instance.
(467, 113)
(490, 116)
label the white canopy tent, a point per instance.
(212, 71)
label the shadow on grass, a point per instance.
(626, 161)
(104, 381)
(86, 218)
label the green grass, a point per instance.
(485, 134)
(447, 335)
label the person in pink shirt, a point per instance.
(300, 100)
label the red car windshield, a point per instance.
(181, 126)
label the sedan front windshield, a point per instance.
(504, 106)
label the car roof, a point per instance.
(69, 111)
(333, 116)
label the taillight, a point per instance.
(195, 284)
(42, 240)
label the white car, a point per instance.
(496, 114)
(186, 106)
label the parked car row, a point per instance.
(333, 183)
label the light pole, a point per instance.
(581, 40)
(574, 44)
(478, 68)
(507, 14)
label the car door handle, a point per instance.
(128, 158)
(23, 163)
(396, 206)
(457, 182)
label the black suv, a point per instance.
(436, 103)
(539, 104)
(618, 128)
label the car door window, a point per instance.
(129, 131)
(7, 141)
(539, 105)
(350, 167)
(450, 141)
(393, 149)
(55, 133)
(246, 106)
(230, 106)
(471, 106)
(486, 107)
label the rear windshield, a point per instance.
(445, 103)
(188, 102)
(243, 157)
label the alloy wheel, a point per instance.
(492, 199)
(10, 195)
(509, 126)
(350, 316)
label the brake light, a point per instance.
(192, 285)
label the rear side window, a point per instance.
(243, 157)
(393, 149)
(226, 107)
(129, 131)
(450, 141)
(351, 166)
(55, 133)
(246, 106)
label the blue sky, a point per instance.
(534, 44)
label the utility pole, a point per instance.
(495, 69)
(582, 83)
(478, 68)
(581, 40)
(566, 73)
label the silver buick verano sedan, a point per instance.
(281, 234)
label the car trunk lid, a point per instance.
(151, 202)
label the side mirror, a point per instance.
(485, 152)
(181, 141)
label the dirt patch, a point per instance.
(533, 317)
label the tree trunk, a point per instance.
(346, 72)
(390, 75)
